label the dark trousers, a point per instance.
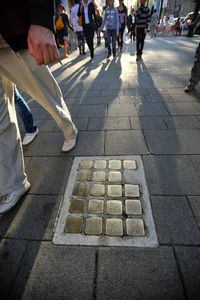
(81, 41)
(89, 35)
(111, 33)
(140, 37)
(120, 37)
(132, 31)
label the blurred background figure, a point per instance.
(153, 23)
(99, 22)
(78, 29)
(122, 11)
(131, 24)
(178, 27)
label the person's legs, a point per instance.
(39, 83)
(114, 38)
(89, 34)
(143, 35)
(195, 72)
(122, 36)
(12, 172)
(24, 112)
(109, 41)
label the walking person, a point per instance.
(99, 22)
(111, 20)
(153, 23)
(89, 23)
(62, 24)
(27, 45)
(142, 16)
(131, 24)
(122, 11)
(26, 115)
(78, 29)
(195, 72)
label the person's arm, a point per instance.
(104, 21)
(95, 16)
(117, 21)
(67, 22)
(41, 40)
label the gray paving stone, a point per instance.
(195, 162)
(195, 205)
(171, 175)
(132, 99)
(147, 123)
(125, 142)
(159, 98)
(182, 109)
(100, 100)
(113, 92)
(47, 125)
(189, 264)
(151, 109)
(174, 221)
(52, 272)
(45, 144)
(9, 263)
(92, 111)
(173, 141)
(136, 91)
(48, 175)
(117, 280)
(186, 97)
(125, 109)
(112, 123)
(35, 218)
(88, 143)
(81, 123)
(182, 122)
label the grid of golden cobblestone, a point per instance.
(103, 203)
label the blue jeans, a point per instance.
(24, 112)
(111, 33)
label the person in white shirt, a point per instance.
(78, 28)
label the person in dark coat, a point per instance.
(89, 23)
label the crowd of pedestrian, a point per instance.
(28, 45)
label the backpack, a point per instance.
(59, 23)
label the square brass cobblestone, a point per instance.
(114, 190)
(83, 176)
(95, 206)
(129, 164)
(99, 176)
(106, 203)
(132, 190)
(93, 226)
(135, 227)
(85, 164)
(80, 189)
(115, 164)
(114, 176)
(133, 207)
(114, 227)
(73, 224)
(97, 190)
(114, 207)
(100, 164)
(77, 205)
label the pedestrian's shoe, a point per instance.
(83, 52)
(189, 88)
(70, 143)
(108, 56)
(137, 57)
(9, 200)
(29, 137)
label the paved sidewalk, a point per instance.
(121, 108)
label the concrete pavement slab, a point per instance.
(125, 142)
(148, 123)
(195, 159)
(195, 206)
(112, 123)
(151, 109)
(99, 110)
(129, 270)
(159, 97)
(171, 175)
(183, 109)
(174, 220)
(55, 272)
(189, 264)
(35, 218)
(121, 110)
(48, 175)
(173, 141)
(11, 254)
(182, 122)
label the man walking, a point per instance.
(142, 16)
(111, 19)
(78, 28)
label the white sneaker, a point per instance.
(70, 143)
(9, 200)
(29, 137)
